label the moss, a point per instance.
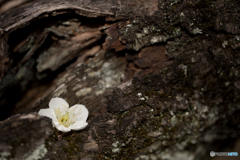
(139, 141)
(73, 147)
(50, 141)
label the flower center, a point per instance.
(64, 119)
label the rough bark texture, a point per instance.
(172, 91)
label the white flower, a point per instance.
(64, 118)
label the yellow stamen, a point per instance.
(66, 119)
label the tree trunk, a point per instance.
(161, 79)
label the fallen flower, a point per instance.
(64, 118)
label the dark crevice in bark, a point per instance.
(15, 93)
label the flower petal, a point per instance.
(58, 102)
(55, 123)
(78, 125)
(48, 113)
(79, 111)
(62, 128)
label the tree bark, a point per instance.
(160, 78)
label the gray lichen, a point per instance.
(35, 154)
